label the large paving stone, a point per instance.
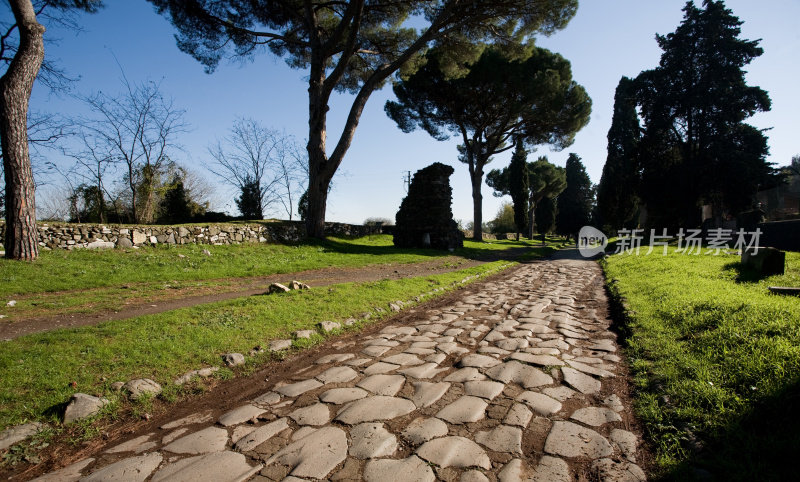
(338, 396)
(592, 370)
(335, 358)
(502, 438)
(541, 360)
(467, 374)
(337, 375)
(371, 440)
(387, 385)
(478, 361)
(136, 445)
(609, 470)
(227, 465)
(525, 375)
(411, 469)
(570, 440)
(239, 415)
(15, 434)
(514, 471)
(595, 416)
(458, 452)
(519, 415)
(315, 455)
(373, 409)
(133, 469)
(403, 359)
(427, 393)
(473, 476)
(423, 429)
(375, 350)
(211, 439)
(551, 469)
(261, 435)
(484, 389)
(380, 368)
(466, 409)
(626, 441)
(540, 403)
(427, 370)
(199, 417)
(299, 388)
(69, 473)
(560, 393)
(315, 415)
(580, 381)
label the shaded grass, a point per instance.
(716, 363)
(36, 371)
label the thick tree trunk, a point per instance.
(531, 218)
(21, 237)
(477, 207)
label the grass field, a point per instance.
(38, 373)
(716, 363)
(64, 282)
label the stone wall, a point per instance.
(70, 236)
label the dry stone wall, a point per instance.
(94, 236)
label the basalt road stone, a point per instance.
(464, 410)
(570, 440)
(338, 396)
(423, 429)
(473, 476)
(335, 358)
(411, 469)
(315, 455)
(458, 452)
(18, 433)
(427, 370)
(337, 375)
(372, 440)
(609, 470)
(299, 388)
(387, 385)
(372, 409)
(542, 360)
(404, 359)
(502, 438)
(518, 415)
(551, 469)
(540, 403)
(595, 416)
(240, 415)
(427, 393)
(525, 375)
(626, 441)
(261, 435)
(316, 415)
(211, 439)
(67, 474)
(580, 382)
(513, 471)
(227, 465)
(132, 469)
(484, 389)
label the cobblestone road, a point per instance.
(515, 381)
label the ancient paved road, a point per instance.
(513, 382)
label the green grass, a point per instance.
(36, 371)
(64, 283)
(716, 363)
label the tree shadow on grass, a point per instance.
(762, 445)
(744, 274)
(516, 249)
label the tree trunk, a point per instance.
(21, 237)
(477, 207)
(317, 157)
(531, 218)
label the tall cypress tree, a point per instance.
(575, 202)
(697, 148)
(617, 196)
(519, 187)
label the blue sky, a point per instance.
(606, 40)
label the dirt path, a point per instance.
(513, 378)
(250, 287)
